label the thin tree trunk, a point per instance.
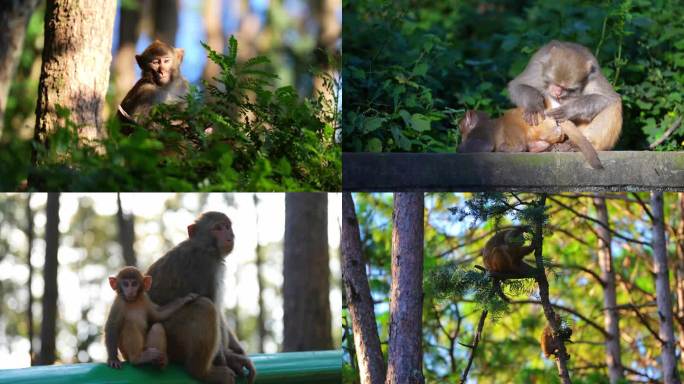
(212, 24)
(30, 234)
(473, 347)
(406, 293)
(359, 300)
(165, 20)
(329, 29)
(261, 318)
(50, 293)
(663, 297)
(75, 69)
(248, 32)
(562, 356)
(307, 273)
(14, 17)
(124, 60)
(611, 315)
(680, 276)
(126, 234)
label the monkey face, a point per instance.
(222, 231)
(129, 289)
(162, 68)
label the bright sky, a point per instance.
(149, 246)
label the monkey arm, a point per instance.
(157, 313)
(112, 331)
(584, 108)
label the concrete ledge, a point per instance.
(534, 172)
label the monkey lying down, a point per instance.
(561, 92)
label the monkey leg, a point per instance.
(156, 339)
(604, 130)
(132, 344)
(193, 336)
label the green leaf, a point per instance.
(372, 123)
(374, 145)
(420, 123)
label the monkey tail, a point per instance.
(577, 138)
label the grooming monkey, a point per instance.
(504, 252)
(568, 75)
(127, 328)
(511, 133)
(198, 335)
(161, 82)
(550, 345)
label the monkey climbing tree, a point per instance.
(504, 270)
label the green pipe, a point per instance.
(320, 367)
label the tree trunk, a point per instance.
(261, 318)
(30, 234)
(14, 17)
(124, 61)
(75, 69)
(50, 293)
(611, 315)
(406, 294)
(307, 323)
(680, 276)
(126, 234)
(329, 29)
(212, 24)
(359, 300)
(663, 297)
(165, 20)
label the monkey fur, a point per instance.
(570, 76)
(127, 328)
(504, 252)
(550, 345)
(161, 82)
(198, 335)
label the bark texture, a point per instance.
(359, 300)
(50, 292)
(663, 297)
(124, 60)
(75, 69)
(406, 293)
(14, 17)
(306, 285)
(611, 316)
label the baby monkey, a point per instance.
(550, 345)
(568, 75)
(127, 328)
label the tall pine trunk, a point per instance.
(50, 292)
(75, 69)
(405, 362)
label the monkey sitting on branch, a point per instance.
(127, 328)
(504, 252)
(550, 344)
(161, 82)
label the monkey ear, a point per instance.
(112, 282)
(591, 68)
(147, 282)
(191, 230)
(180, 52)
(468, 123)
(141, 62)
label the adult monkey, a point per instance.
(569, 75)
(161, 82)
(198, 335)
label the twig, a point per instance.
(473, 348)
(667, 133)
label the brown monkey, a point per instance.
(132, 312)
(569, 76)
(551, 345)
(511, 133)
(161, 82)
(503, 254)
(198, 335)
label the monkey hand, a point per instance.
(561, 113)
(114, 363)
(238, 362)
(190, 297)
(532, 116)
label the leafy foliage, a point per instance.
(239, 133)
(411, 68)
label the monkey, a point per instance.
(503, 254)
(550, 345)
(198, 335)
(569, 76)
(161, 82)
(126, 328)
(511, 133)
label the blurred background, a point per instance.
(302, 38)
(57, 250)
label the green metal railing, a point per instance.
(320, 367)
